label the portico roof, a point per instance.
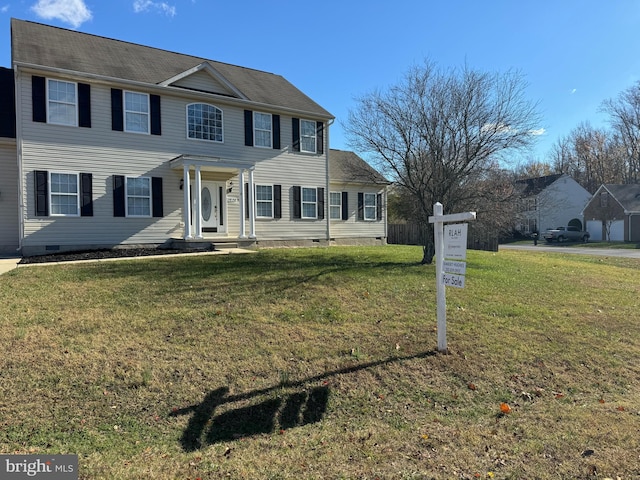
(208, 163)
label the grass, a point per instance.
(320, 363)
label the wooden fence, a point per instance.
(412, 234)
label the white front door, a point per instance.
(212, 198)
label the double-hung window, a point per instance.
(204, 122)
(307, 136)
(264, 201)
(136, 112)
(370, 206)
(309, 202)
(335, 205)
(262, 129)
(64, 194)
(62, 102)
(138, 197)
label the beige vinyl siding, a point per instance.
(9, 232)
(104, 153)
(352, 227)
(203, 81)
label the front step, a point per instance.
(191, 245)
(224, 245)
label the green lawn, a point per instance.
(321, 363)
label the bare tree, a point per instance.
(624, 112)
(440, 133)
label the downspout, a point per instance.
(21, 199)
(328, 181)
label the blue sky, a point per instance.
(573, 53)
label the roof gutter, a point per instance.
(161, 88)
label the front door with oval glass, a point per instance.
(211, 209)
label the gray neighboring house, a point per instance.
(550, 201)
(614, 213)
(120, 144)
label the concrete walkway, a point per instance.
(9, 263)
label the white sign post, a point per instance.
(453, 245)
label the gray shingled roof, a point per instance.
(533, 186)
(44, 45)
(348, 167)
(627, 195)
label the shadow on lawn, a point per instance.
(302, 407)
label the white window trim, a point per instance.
(126, 197)
(302, 203)
(221, 120)
(264, 201)
(315, 136)
(338, 205)
(75, 85)
(51, 194)
(255, 129)
(125, 111)
(374, 206)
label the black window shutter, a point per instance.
(319, 137)
(39, 99)
(246, 200)
(297, 202)
(156, 196)
(248, 128)
(345, 205)
(41, 178)
(360, 206)
(117, 113)
(320, 194)
(295, 128)
(379, 206)
(277, 201)
(86, 198)
(275, 132)
(8, 108)
(221, 203)
(118, 196)
(156, 120)
(84, 105)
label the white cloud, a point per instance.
(573, 91)
(4, 9)
(73, 12)
(539, 131)
(140, 6)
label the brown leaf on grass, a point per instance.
(505, 408)
(472, 386)
(621, 409)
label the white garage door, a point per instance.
(594, 227)
(617, 231)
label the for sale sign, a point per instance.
(455, 241)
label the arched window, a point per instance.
(204, 122)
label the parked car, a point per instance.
(566, 234)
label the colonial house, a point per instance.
(550, 201)
(613, 214)
(105, 143)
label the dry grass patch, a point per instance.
(320, 363)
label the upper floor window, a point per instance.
(204, 122)
(64, 194)
(307, 136)
(136, 112)
(62, 102)
(335, 205)
(138, 197)
(262, 129)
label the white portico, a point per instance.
(206, 183)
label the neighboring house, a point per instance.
(549, 202)
(613, 214)
(121, 144)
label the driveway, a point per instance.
(604, 252)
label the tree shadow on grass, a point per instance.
(302, 407)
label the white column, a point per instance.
(186, 209)
(197, 214)
(242, 203)
(252, 207)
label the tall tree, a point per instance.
(440, 133)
